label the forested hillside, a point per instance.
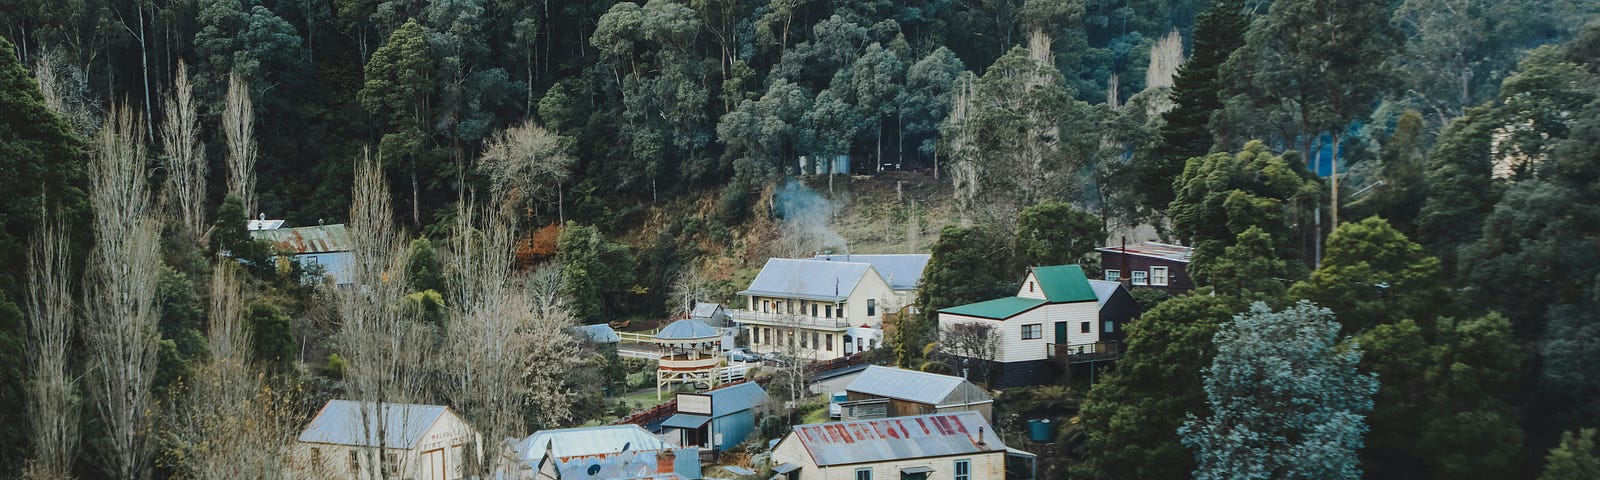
(1426, 172)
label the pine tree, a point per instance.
(1195, 95)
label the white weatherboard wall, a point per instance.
(1014, 349)
(985, 466)
(440, 454)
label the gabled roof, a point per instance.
(599, 333)
(736, 398)
(1164, 251)
(897, 438)
(340, 423)
(704, 310)
(920, 387)
(901, 271)
(304, 240)
(807, 279)
(1064, 283)
(580, 442)
(1104, 289)
(997, 309)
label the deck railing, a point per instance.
(1083, 352)
(783, 320)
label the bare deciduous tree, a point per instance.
(52, 391)
(554, 352)
(971, 349)
(231, 421)
(121, 311)
(387, 346)
(524, 163)
(66, 92)
(186, 156)
(688, 287)
(238, 128)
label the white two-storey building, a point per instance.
(1054, 320)
(827, 307)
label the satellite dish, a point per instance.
(626, 445)
(594, 469)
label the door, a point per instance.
(433, 465)
(1061, 333)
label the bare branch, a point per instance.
(186, 156)
(238, 127)
(53, 400)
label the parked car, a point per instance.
(741, 354)
(835, 410)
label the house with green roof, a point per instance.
(1058, 318)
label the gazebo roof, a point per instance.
(687, 329)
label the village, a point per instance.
(811, 328)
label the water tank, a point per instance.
(1041, 431)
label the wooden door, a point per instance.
(1061, 333)
(433, 465)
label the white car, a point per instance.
(741, 354)
(835, 410)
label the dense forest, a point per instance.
(1406, 191)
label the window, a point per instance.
(1158, 276)
(766, 306)
(1113, 275)
(828, 310)
(391, 465)
(813, 309)
(802, 339)
(863, 474)
(355, 463)
(766, 335)
(1083, 327)
(814, 342)
(1110, 326)
(316, 458)
(963, 470)
(788, 307)
(1033, 332)
(827, 341)
(1030, 287)
(1141, 277)
(872, 307)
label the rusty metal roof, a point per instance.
(1164, 251)
(898, 438)
(303, 240)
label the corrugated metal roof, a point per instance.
(264, 224)
(704, 311)
(920, 387)
(898, 438)
(588, 441)
(685, 420)
(340, 423)
(1164, 251)
(1104, 289)
(736, 398)
(687, 329)
(600, 333)
(1064, 283)
(807, 279)
(901, 271)
(302, 240)
(631, 465)
(998, 309)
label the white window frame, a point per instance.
(1141, 277)
(1162, 279)
(1113, 275)
(1036, 328)
(860, 471)
(963, 470)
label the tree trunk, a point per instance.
(144, 63)
(416, 207)
(1334, 174)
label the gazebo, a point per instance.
(688, 354)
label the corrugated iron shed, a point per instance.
(899, 438)
(736, 398)
(920, 387)
(341, 423)
(304, 240)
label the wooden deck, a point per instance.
(1084, 352)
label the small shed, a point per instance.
(325, 246)
(710, 313)
(718, 419)
(611, 452)
(600, 334)
(910, 392)
(424, 442)
(958, 445)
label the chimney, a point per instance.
(980, 437)
(262, 216)
(665, 460)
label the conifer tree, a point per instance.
(1195, 95)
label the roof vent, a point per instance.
(262, 216)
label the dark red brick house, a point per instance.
(1148, 265)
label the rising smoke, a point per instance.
(806, 222)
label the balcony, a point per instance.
(689, 363)
(837, 324)
(1083, 352)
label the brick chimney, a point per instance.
(665, 460)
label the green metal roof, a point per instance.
(1064, 283)
(999, 308)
